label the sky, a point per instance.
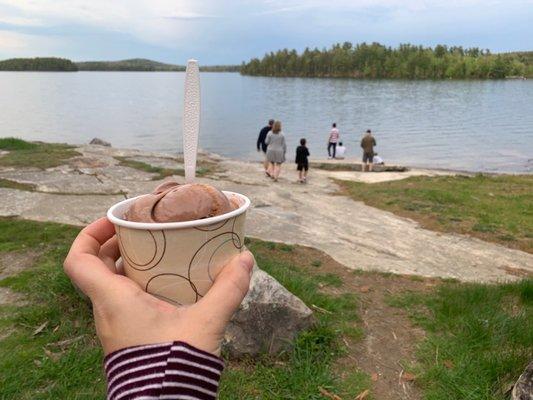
(230, 31)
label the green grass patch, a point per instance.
(479, 338)
(340, 166)
(34, 154)
(9, 184)
(13, 144)
(495, 208)
(337, 166)
(142, 166)
(329, 279)
(36, 366)
(204, 168)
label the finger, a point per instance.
(229, 289)
(93, 236)
(110, 253)
(82, 264)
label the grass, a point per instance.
(337, 166)
(9, 184)
(479, 338)
(494, 208)
(340, 166)
(34, 154)
(32, 365)
(329, 279)
(204, 168)
(37, 365)
(299, 374)
(142, 166)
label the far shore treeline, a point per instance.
(38, 64)
(374, 61)
(134, 64)
(367, 61)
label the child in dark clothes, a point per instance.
(301, 161)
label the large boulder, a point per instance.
(100, 142)
(523, 389)
(268, 319)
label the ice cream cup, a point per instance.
(178, 261)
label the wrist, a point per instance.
(171, 368)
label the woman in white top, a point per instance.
(276, 150)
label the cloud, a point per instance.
(149, 21)
(14, 44)
(235, 30)
(21, 21)
(286, 9)
(190, 16)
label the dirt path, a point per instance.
(389, 338)
(356, 235)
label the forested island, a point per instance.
(407, 61)
(38, 64)
(134, 64)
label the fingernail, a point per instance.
(246, 259)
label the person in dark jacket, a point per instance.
(302, 163)
(367, 144)
(261, 144)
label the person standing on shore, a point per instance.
(367, 143)
(276, 149)
(302, 163)
(333, 140)
(261, 145)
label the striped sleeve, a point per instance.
(162, 371)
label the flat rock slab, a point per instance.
(354, 234)
(377, 177)
(58, 181)
(67, 209)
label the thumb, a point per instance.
(229, 289)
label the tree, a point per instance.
(407, 61)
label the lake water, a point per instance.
(469, 125)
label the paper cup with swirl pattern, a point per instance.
(178, 261)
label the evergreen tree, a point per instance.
(407, 61)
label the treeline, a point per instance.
(220, 68)
(38, 64)
(134, 64)
(404, 62)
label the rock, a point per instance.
(268, 319)
(100, 142)
(523, 389)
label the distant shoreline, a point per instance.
(54, 64)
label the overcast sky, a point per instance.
(228, 32)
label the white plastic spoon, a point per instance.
(191, 119)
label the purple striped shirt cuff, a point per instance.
(173, 370)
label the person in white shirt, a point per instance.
(341, 149)
(378, 160)
(333, 140)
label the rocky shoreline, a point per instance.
(358, 236)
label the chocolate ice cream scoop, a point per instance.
(172, 202)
